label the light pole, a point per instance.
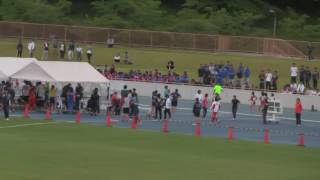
(274, 22)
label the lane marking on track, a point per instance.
(25, 125)
(147, 107)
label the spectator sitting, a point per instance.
(117, 58)
(301, 88)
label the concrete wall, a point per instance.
(188, 92)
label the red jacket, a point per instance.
(298, 108)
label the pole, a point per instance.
(275, 25)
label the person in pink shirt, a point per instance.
(204, 105)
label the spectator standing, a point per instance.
(158, 105)
(166, 91)
(298, 111)
(198, 96)
(71, 48)
(294, 73)
(126, 58)
(62, 50)
(89, 54)
(275, 78)
(5, 103)
(96, 102)
(110, 42)
(235, 105)
(31, 48)
(247, 74)
(268, 79)
(302, 75)
(52, 95)
(196, 108)
(45, 54)
(308, 76)
(310, 49)
(175, 96)
(79, 53)
(204, 105)
(167, 108)
(19, 48)
(315, 78)
(262, 77)
(79, 95)
(265, 106)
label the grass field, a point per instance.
(150, 59)
(81, 152)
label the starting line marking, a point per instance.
(25, 125)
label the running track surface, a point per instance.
(247, 126)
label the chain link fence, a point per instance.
(141, 38)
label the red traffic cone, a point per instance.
(48, 114)
(134, 123)
(266, 136)
(78, 117)
(26, 111)
(301, 140)
(108, 120)
(198, 128)
(165, 126)
(230, 134)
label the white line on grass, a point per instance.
(29, 124)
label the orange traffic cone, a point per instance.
(230, 134)
(301, 140)
(26, 111)
(165, 126)
(78, 117)
(108, 120)
(48, 114)
(134, 123)
(266, 136)
(198, 128)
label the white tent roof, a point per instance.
(9, 65)
(33, 72)
(3, 76)
(62, 71)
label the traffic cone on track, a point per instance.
(230, 134)
(266, 136)
(26, 111)
(198, 128)
(301, 140)
(108, 120)
(77, 117)
(165, 126)
(48, 114)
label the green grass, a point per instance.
(150, 59)
(81, 152)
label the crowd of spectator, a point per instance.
(304, 80)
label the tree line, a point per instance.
(295, 19)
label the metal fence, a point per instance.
(156, 39)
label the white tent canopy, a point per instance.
(72, 72)
(3, 76)
(33, 72)
(9, 65)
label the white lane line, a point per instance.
(25, 125)
(147, 107)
